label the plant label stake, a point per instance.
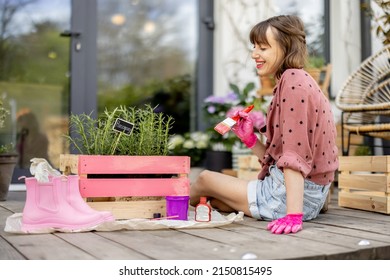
(123, 127)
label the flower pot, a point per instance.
(7, 165)
(218, 160)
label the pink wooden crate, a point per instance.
(133, 187)
(92, 164)
(177, 166)
(129, 176)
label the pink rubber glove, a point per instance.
(291, 223)
(244, 129)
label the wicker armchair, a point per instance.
(364, 100)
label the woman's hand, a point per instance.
(291, 223)
(244, 129)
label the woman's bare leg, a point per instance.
(229, 192)
(219, 205)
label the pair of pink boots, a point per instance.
(58, 204)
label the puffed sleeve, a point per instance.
(296, 121)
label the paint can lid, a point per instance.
(156, 215)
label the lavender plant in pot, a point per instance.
(8, 158)
(218, 108)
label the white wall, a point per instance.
(232, 49)
(345, 40)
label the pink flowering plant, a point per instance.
(218, 108)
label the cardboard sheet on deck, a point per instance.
(14, 223)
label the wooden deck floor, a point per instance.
(333, 235)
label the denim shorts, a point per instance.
(267, 198)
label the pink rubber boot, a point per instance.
(71, 185)
(47, 207)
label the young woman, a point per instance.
(300, 156)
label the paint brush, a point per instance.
(226, 125)
(165, 218)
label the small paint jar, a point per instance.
(203, 211)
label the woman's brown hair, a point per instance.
(290, 34)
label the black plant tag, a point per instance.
(123, 126)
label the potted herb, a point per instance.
(149, 135)
(8, 158)
(126, 168)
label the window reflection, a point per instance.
(312, 14)
(34, 77)
(31, 141)
(146, 54)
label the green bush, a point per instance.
(3, 113)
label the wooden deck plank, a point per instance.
(243, 240)
(36, 247)
(334, 235)
(167, 244)
(232, 242)
(46, 247)
(100, 247)
(321, 248)
(358, 223)
(14, 202)
(7, 252)
(348, 212)
(328, 236)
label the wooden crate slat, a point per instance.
(248, 162)
(365, 201)
(69, 164)
(364, 163)
(370, 182)
(247, 174)
(230, 172)
(134, 187)
(92, 164)
(131, 209)
(364, 183)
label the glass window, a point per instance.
(312, 14)
(147, 54)
(34, 77)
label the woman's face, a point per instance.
(267, 57)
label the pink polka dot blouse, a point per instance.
(300, 129)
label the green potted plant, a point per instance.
(126, 169)
(8, 158)
(149, 135)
